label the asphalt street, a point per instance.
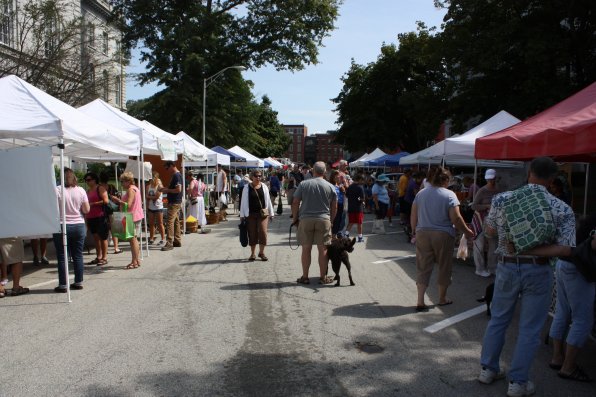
(202, 320)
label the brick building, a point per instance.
(298, 133)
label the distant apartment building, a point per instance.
(298, 133)
(327, 150)
(71, 45)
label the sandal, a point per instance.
(117, 251)
(102, 262)
(132, 266)
(303, 280)
(423, 308)
(94, 261)
(263, 257)
(326, 280)
(252, 258)
(19, 291)
(578, 374)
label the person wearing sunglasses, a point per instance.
(256, 208)
(97, 220)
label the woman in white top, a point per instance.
(155, 208)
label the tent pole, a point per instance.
(63, 207)
(475, 172)
(141, 174)
(586, 189)
(184, 201)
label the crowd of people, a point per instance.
(327, 205)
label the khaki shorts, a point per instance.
(434, 247)
(313, 231)
(11, 250)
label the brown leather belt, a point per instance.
(526, 260)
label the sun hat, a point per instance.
(490, 174)
(382, 178)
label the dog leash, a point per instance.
(290, 239)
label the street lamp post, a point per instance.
(206, 82)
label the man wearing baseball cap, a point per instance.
(481, 204)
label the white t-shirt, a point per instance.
(221, 182)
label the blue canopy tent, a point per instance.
(388, 160)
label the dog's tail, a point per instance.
(483, 299)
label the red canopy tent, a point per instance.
(566, 132)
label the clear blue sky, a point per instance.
(304, 97)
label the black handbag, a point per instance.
(280, 208)
(243, 226)
(584, 259)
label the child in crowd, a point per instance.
(356, 201)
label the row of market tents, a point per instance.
(565, 132)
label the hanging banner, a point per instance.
(167, 149)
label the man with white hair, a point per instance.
(313, 209)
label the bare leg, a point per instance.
(323, 259)
(570, 362)
(35, 248)
(359, 227)
(349, 228)
(16, 270)
(252, 250)
(442, 293)
(558, 349)
(104, 249)
(97, 246)
(305, 259)
(161, 227)
(134, 249)
(3, 271)
(261, 249)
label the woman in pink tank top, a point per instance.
(133, 198)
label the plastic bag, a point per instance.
(122, 225)
(462, 250)
(223, 199)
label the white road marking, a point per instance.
(48, 282)
(394, 259)
(455, 319)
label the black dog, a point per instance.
(338, 253)
(488, 297)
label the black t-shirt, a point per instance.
(256, 197)
(297, 178)
(175, 198)
(355, 195)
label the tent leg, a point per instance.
(586, 188)
(183, 197)
(142, 174)
(63, 207)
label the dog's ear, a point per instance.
(353, 242)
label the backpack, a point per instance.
(529, 219)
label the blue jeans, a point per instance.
(575, 305)
(532, 285)
(75, 238)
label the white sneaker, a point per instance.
(482, 273)
(521, 389)
(488, 376)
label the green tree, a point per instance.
(273, 139)
(396, 101)
(185, 41)
(516, 55)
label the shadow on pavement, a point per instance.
(373, 310)
(257, 286)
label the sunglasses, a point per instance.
(258, 176)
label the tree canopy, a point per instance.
(183, 42)
(521, 56)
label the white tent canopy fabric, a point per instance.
(361, 162)
(212, 158)
(251, 161)
(169, 145)
(459, 150)
(100, 110)
(30, 117)
(273, 162)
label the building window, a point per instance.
(106, 85)
(118, 92)
(105, 43)
(52, 35)
(6, 21)
(91, 35)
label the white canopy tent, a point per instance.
(209, 157)
(459, 150)
(251, 161)
(274, 163)
(31, 117)
(361, 162)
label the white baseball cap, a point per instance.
(490, 174)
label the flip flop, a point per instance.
(326, 280)
(555, 366)
(117, 251)
(19, 291)
(420, 309)
(578, 375)
(449, 302)
(303, 280)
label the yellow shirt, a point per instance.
(402, 185)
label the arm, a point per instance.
(333, 208)
(85, 207)
(295, 208)
(414, 217)
(103, 195)
(476, 206)
(459, 222)
(131, 197)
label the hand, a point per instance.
(593, 243)
(469, 234)
(296, 222)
